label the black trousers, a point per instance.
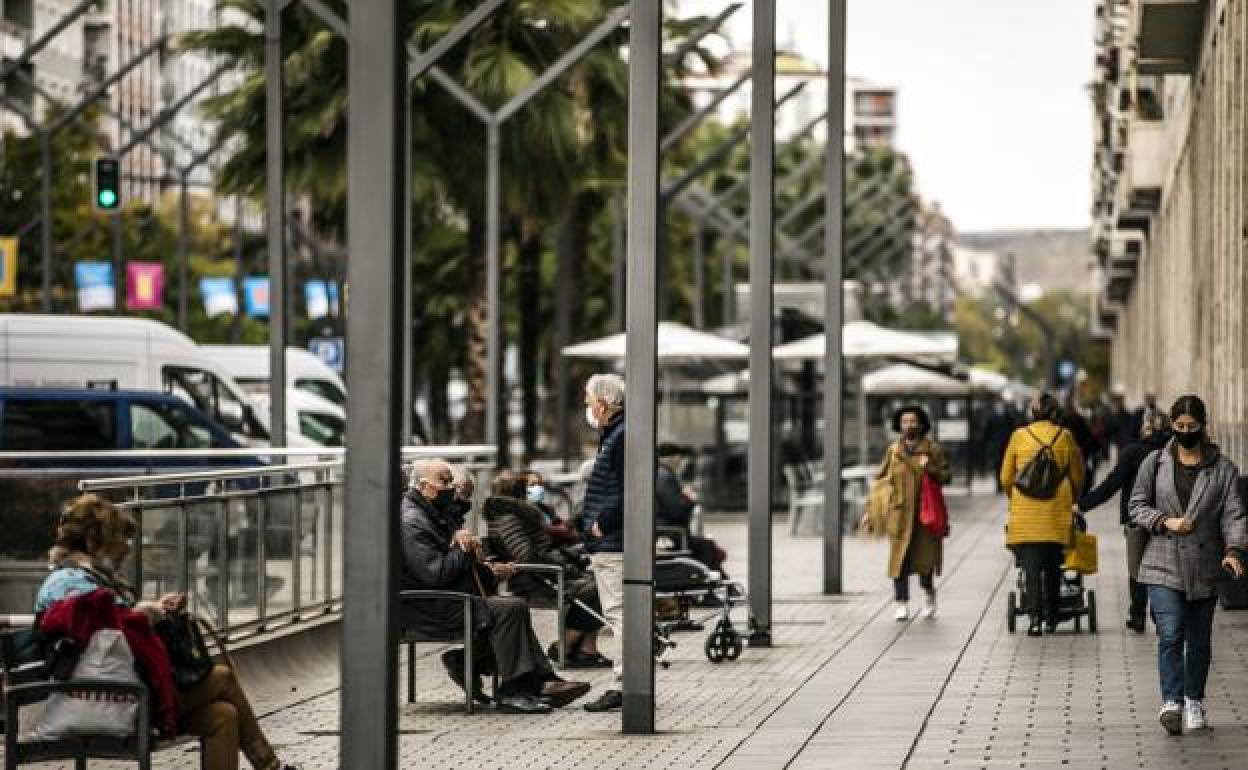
(521, 663)
(1042, 579)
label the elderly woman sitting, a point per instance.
(93, 539)
(518, 526)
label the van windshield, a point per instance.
(211, 396)
(323, 388)
(324, 429)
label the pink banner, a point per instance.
(145, 285)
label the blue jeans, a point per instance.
(1184, 642)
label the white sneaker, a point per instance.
(929, 607)
(1171, 717)
(1194, 715)
(903, 612)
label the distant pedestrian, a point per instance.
(1186, 496)
(1039, 529)
(913, 550)
(1153, 436)
(1001, 425)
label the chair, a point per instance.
(26, 682)
(494, 547)
(411, 637)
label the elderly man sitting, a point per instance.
(439, 554)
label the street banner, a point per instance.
(8, 267)
(256, 296)
(145, 285)
(95, 286)
(321, 299)
(219, 297)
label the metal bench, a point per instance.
(411, 637)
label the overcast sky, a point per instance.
(994, 112)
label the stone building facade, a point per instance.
(1169, 217)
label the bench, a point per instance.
(411, 637)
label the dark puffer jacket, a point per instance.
(518, 527)
(604, 494)
(1122, 477)
(430, 561)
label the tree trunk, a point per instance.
(476, 330)
(529, 290)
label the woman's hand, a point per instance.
(171, 603)
(1232, 565)
(1178, 525)
(924, 459)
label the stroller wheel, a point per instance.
(1092, 612)
(715, 648)
(1011, 612)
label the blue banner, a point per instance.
(219, 297)
(256, 296)
(96, 290)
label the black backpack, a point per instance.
(1041, 476)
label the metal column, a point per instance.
(494, 408)
(45, 216)
(834, 295)
(641, 362)
(619, 266)
(377, 178)
(275, 194)
(699, 277)
(184, 223)
(408, 239)
(762, 213)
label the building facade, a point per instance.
(1169, 216)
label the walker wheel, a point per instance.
(734, 645)
(715, 647)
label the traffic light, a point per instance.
(107, 178)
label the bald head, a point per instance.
(431, 475)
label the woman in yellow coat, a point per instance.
(912, 549)
(1039, 530)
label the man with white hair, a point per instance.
(440, 554)
(604, 506)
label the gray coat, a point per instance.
(1188, 563)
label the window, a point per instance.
(323, 388)
(206, 392)
(161, 426)
(48, 425)
(324, 429)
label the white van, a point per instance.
(249, 364)
(311, 421)
(127, 353)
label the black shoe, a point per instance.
(1035, 630)
(453, 662)
(1050, 627)
(608, 701)
(1136, 623)
(522, 704)
(583, 660)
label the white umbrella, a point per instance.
(906, 379)
(677, 342)
(862, 339)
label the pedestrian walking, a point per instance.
(1153, 436)
(913, 550)
(1186, 497)
(1041, 515)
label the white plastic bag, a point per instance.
(107, 657)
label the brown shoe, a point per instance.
(562, 693)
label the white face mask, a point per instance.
(589, 417)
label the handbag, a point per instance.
(188, 654)
(107, 657)
(933, 513)
(878, 513)
(1081, 556)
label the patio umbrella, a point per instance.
(677, 342)
(860, 339)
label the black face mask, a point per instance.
(444, 500)
(460, 508)
(911, 433)
(1189, 440)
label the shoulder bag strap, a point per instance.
(216, 639)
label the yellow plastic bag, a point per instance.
(1081, 557)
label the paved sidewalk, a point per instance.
(846, 686)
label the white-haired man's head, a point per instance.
(604, 398)
(430, 476)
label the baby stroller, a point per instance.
(1074, 603)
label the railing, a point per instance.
(254, 548)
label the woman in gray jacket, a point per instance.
(1186, 496)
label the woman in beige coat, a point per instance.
(912, 549)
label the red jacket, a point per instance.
(79, 617)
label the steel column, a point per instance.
(377, 178)
(494, 408)
(184, 223)
(727, 266)
(118, 258)
(762, 237)
(408, 241)
(644, 71)
(275, 194)
(834, 296)
(699, 276)
(45, 216)
(619, 265)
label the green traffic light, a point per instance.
(107, 198)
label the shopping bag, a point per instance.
(878, 516)
(107, 657)
(1081, 556)
(933, 514)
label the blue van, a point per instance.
(74, 419)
